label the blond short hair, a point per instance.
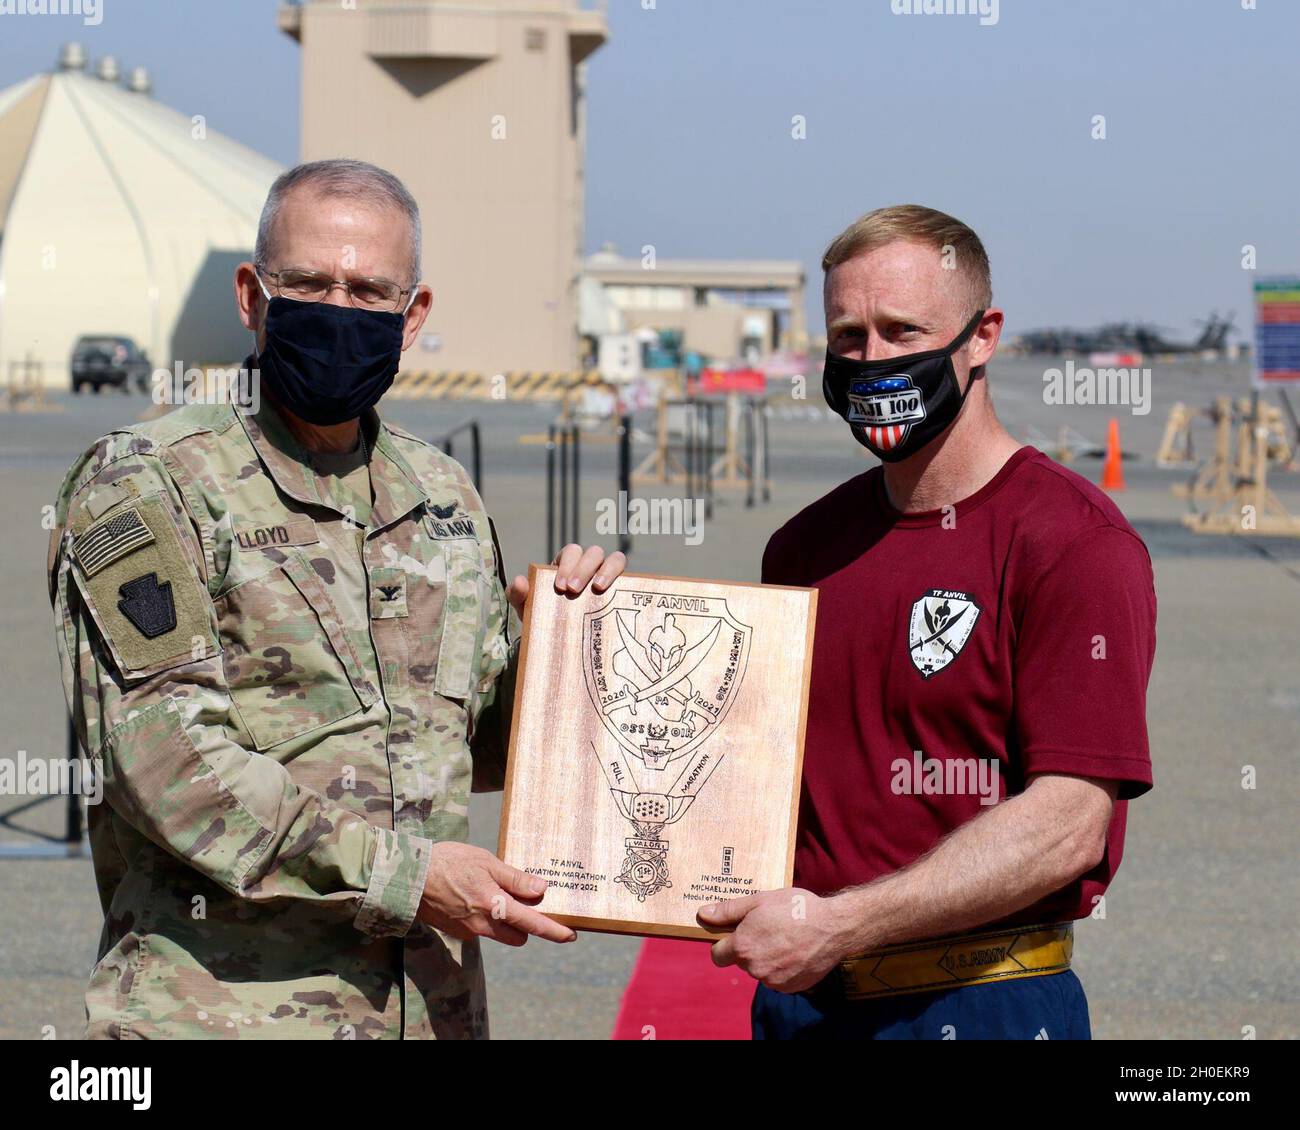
(920, 225)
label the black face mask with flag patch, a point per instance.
(896, 405)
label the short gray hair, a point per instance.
(340, 176)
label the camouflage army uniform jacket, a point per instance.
(288, 709)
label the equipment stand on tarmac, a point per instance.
(1245, 505)
(71, 845)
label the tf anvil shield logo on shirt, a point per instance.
(942, 621)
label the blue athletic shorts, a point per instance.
(1030, 1008)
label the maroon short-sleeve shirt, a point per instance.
(959, 651)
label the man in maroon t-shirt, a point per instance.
(985, 632)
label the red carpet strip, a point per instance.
(676, 993)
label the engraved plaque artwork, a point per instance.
(656, 747)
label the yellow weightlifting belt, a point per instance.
(967, 959)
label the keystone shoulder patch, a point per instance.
(142, 589)
(148, 605)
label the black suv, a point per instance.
(105, 359)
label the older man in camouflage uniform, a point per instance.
(289, 646)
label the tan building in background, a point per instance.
(478, 106)
(724, 308)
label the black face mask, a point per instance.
(327, 364)
(896, 405)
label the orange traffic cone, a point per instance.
(1112, 471)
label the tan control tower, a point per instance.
(478, 106)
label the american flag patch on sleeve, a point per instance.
(100, 546)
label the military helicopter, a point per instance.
(1123, 337)
(1213, 338)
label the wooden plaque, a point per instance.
(656, 749)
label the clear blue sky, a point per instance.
(690, 149)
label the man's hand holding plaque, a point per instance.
(788, 939)
(575, 569)
(468, 891)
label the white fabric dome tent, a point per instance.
(115, 218)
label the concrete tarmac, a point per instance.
(1197, 939)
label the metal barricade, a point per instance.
(699, 451)
(756, 451)
(563, 455)
(448, 444)
(625, 475)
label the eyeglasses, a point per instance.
(314, 286)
